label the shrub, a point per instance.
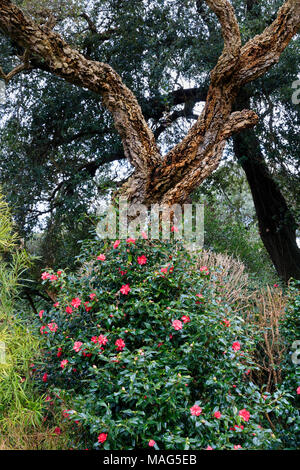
(139, 348)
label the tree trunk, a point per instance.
(276, 223)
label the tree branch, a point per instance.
(232, 39)
(264, 50)
(60, 59)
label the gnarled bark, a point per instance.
(170, 178)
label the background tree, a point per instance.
(170, 45)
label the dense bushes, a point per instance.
(138, 348)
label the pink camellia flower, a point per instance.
(217, 414)
(203, 268)
(77, 346)
(52, 327)
(101, 257)
(298, 391)
(59, 272)
(226, 322)
(177, 325)
(209, 448)
(248, 372)
(164, 270)
(237, 447)
(102, 437)
(185, 319)
(174, 229)
(142, 260)
(57, 431)
(236, 346)
(144, 235)
(76, 302)
(59, 352)
(103, 340)
(94, 339)
(244, 414)
(151, 443)
(117, 243)
(41, 312)
(196, 410)
(45, 275)
(276, 285)
(53, 277)
(56, 305)
(45, 377)
(92, 296)
(87, 306)
(130, 240)
(125, 289)
(63, 363)
(69, 309)
(120, 344)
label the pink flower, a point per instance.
(276, 285)
(196, 410)
(53, 277)
(56, 305)
(117, 243)
(151, 443)
(45, 377)
(69, 309)
(120, 344)
(130, 240)
(203, 268)
(164, 270)
(41, 312)
(209, 448)
(236, 346)
(102, 437)
(59, 352)
(237, 447)
(248, 372)
(244, 414)
(226, 322)
(174, 229)
(298, 391)
(92, 296)
(94, 339)
(125, 289)
(45, 275)
(63, 363)
(57, 431)
(185, 319)
(87, 306)
(217, 414)
(177, 325)
(43, 330)
(144, 235)
(142, 260)
(101, 257)
(52, 327)
(103, 340)
(77, 346)
(76, 302)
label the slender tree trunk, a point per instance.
(277, 225)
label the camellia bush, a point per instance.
(140, 351)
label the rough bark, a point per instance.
(277, 226)
(169, 179)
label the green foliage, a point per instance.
(135, 345)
